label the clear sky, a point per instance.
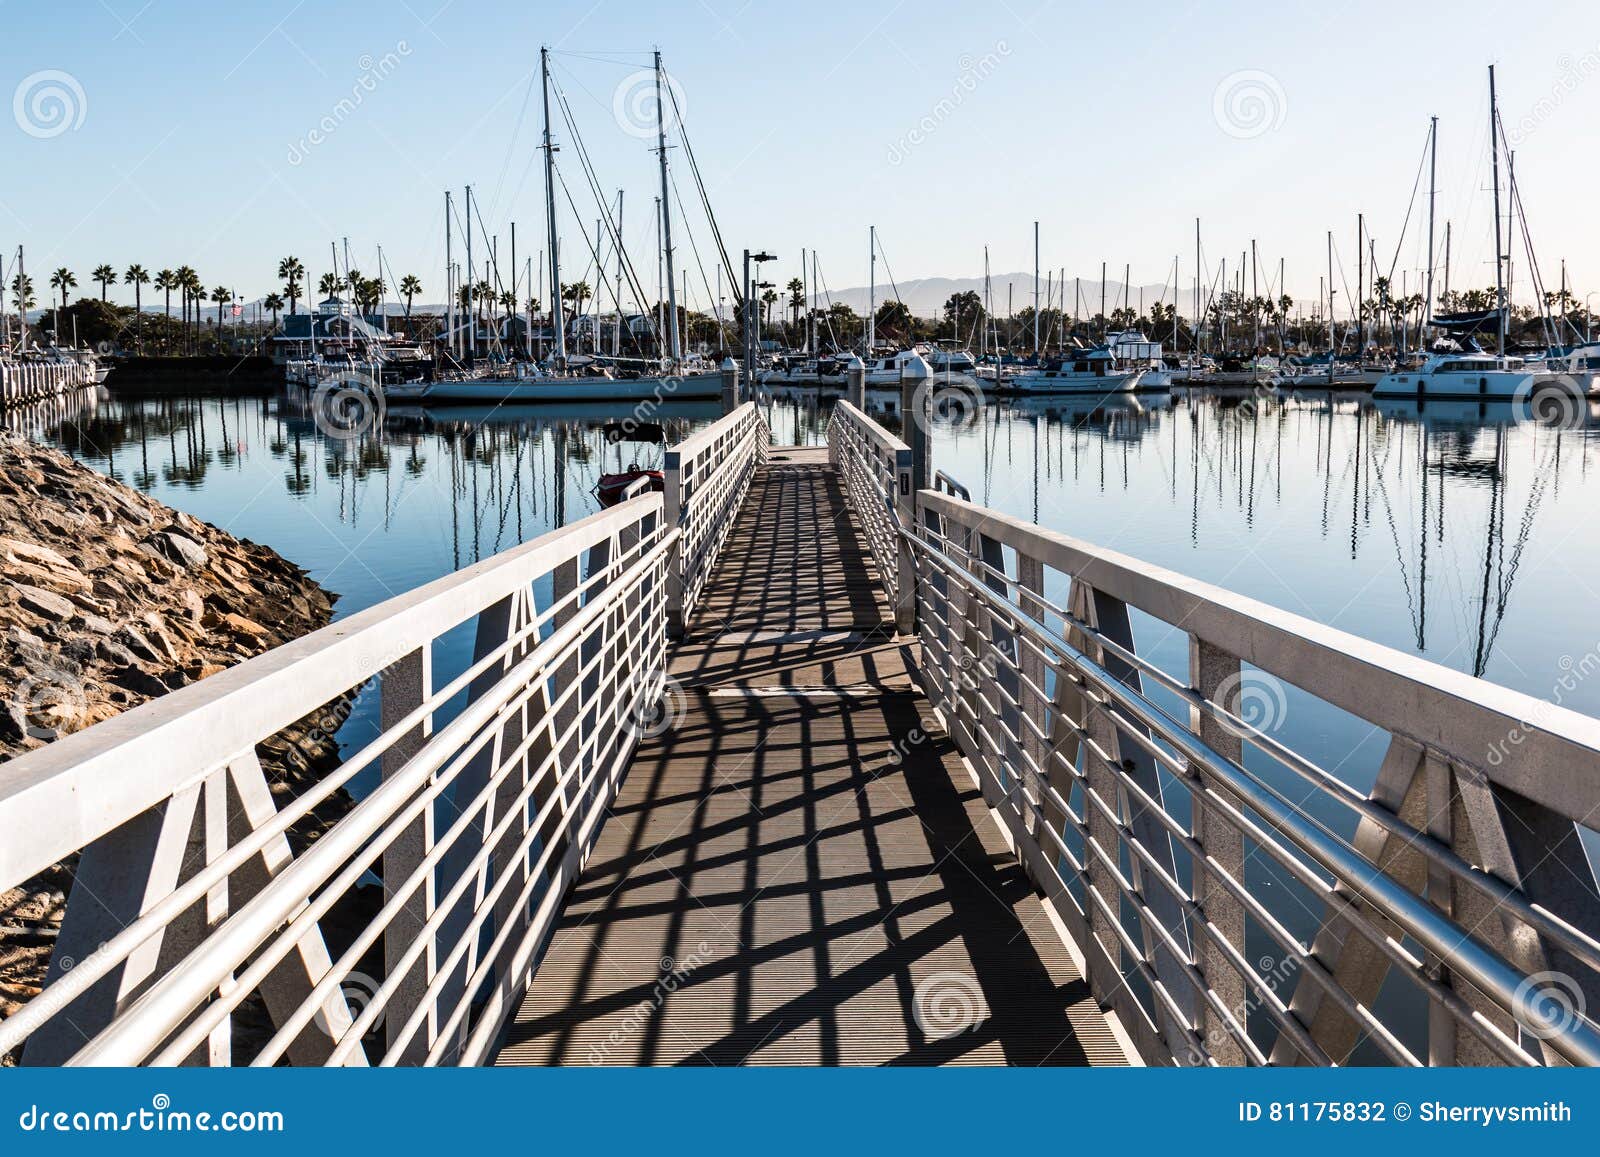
(183, 132)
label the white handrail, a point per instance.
(1029, 656)
(577, 670)
(707, 476)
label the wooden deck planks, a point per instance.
(800, 871)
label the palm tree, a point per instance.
(63, 280)
(797, 298)
(194, 291)
(768, 299)
(577, 293)
(330, 284)
(274, 303)
(137, 277)
(367, 291)
(291, 271)
(105, 275)
(22, 293)
(410, 287)
(221, 296)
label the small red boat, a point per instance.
(611, 487)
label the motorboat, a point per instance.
(1090, 371)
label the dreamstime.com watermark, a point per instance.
(48, 103)
(638, 110)
(972, 73)
(1574, 673)
(1275, 975)
(674, 972)
(1249, 103)
(158, 1117)
(372, 73)
(1571, 73)
(949, 1003)
(1255, 699)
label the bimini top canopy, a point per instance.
(1467, 323)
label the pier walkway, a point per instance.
(799, 869)
(810, 759)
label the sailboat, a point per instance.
(674, 378)
(1474, 374)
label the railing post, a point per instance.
(905, 586)
(730, 386)
(915, 378)
(855, 383)
(672, 495)
(405, 686)
(1214, 673)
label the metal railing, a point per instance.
(875, 468)
(1135, 795)
(404, 925)
(1236, 899)
(707, 477)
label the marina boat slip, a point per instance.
(519, 383)
(1132, 348)
(1484, 376)
(1096, 371)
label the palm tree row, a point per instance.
(367, 292)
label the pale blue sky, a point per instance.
(1106, 122)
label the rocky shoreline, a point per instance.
(110, 599)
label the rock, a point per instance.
(181, 549)
(112, 599)
(43, 603)
(138, 680)
(16, 550)
(134, 640)
(96, 625)
(240, 625)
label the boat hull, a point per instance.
(525, 390)
(1488, 385)
(1071, 383)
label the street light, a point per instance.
(749, 315)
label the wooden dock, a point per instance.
(800, 870)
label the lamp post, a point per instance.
(750, 316)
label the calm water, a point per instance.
(1453, 532)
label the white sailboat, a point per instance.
(677, 378)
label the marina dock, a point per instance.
(810, 759)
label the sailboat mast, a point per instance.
(1197, 285)
(616, 333)
(1330, 305)
(1433, 188)
(1036, 289)
(1499, 251)
(1361, 279)
(666, 221)
(449, 281)
(472, 271)
(872, 287)
(1255, 293)
(556, 322)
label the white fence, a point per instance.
(28, 381)
(405, 931)
(707, 476)
(875, 468)
(1236, 900)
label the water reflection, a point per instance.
(1452, 530)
